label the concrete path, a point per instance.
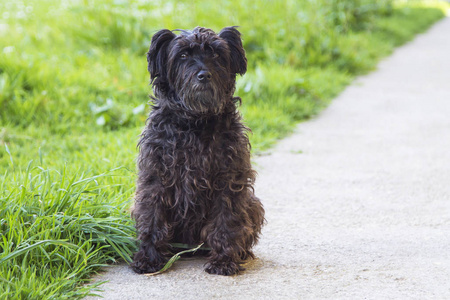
(357, 200)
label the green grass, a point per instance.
(73, 94)
(56, 229)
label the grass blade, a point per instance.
(173, 259)
(36, 245)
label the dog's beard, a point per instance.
(201, 98)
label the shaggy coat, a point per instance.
(195, 181)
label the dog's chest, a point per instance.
(209, 149)
(203, 157)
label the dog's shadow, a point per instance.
(197, 263)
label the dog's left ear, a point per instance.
(238, 61)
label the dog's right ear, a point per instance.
(157, 54)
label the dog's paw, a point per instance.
(247, 255)
(223, 268)
(143, 267)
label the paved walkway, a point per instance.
(357, 200)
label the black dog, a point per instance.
(195, 177)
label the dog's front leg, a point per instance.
(153, 232)
(227, 232)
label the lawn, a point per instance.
(74, 94)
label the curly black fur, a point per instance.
(195, 179)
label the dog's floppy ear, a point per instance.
(238, 61)
(157, 55)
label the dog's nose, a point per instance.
(204, 76)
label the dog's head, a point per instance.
(198, 68)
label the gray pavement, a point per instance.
(357, 199)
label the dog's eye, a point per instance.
(183, 56)
(215, 55)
